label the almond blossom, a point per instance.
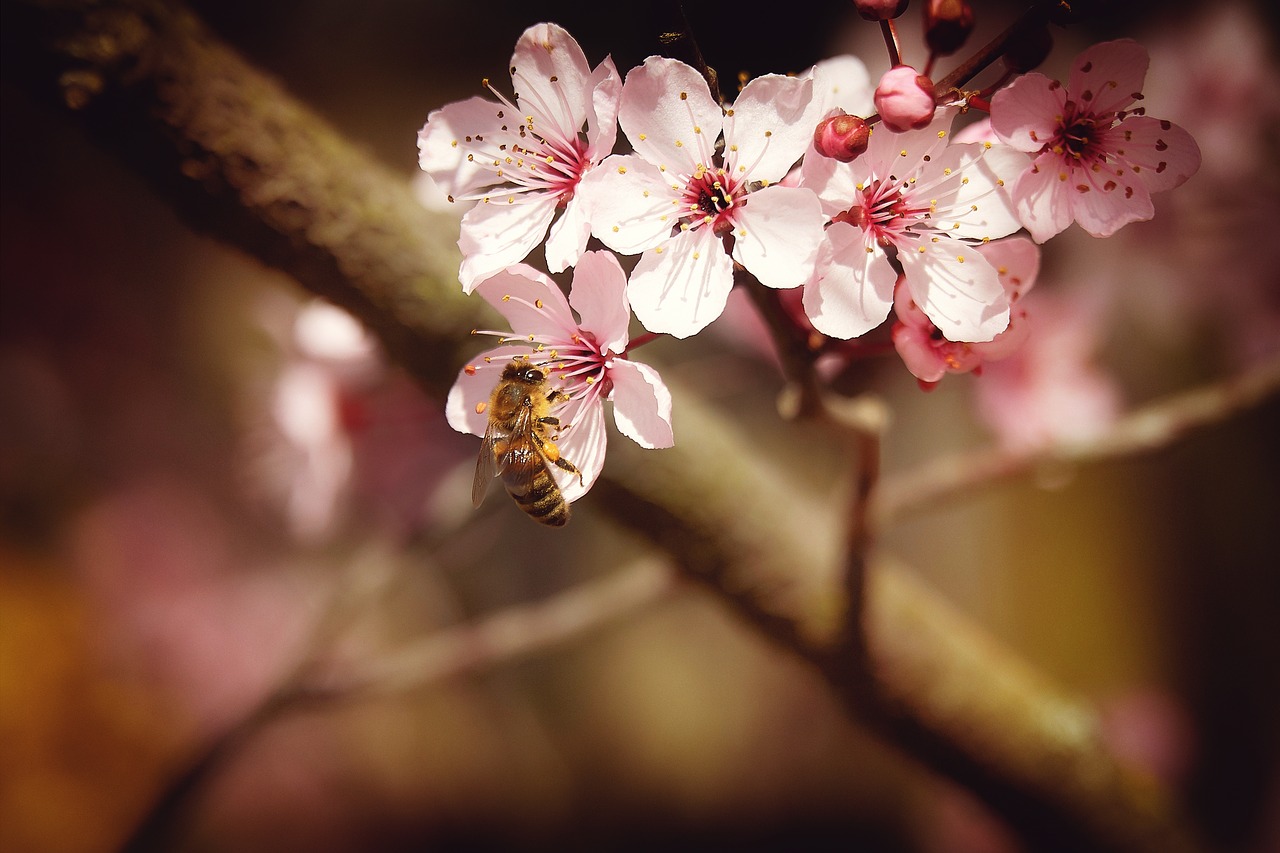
(693, 209)
(586, 358)
(1096, 160)
(522, 161)
(917, 201)
(930, 356)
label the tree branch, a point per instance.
(249, 164)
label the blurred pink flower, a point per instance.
(523, 161)
(1096, 162)
(587, 359)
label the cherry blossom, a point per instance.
(915, 200)
(587, 359)
(680, 202)
(1096, 161)
(522, 161)
(930, 356)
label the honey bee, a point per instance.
(519, 444)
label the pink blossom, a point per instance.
(587, 359)
(678, 201)
(905, 99)
(523, 161)
(1096, 162)
(928, 204)
(930, 356)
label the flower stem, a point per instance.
(890, 33)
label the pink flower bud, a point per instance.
(841, 137)
(880, 10)
(904, 99)
(947, 24)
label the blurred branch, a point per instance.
(244, 161)
(1144, 430)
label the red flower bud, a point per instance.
(880, 10)
(947, 24)
(841, 137)
(905, 99)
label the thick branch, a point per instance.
(249, 164)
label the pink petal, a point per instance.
(584, 444)
(669, 116)
(630, 204)
(915, 348)
(602, 110)
(1104, 201)
(1026, 113)
(443, 145)
(682, 285)
(552, 81)
(777, 235)
(641, 404)
(770, 126)
(1017, 262)
(957, 289)
(531, 302)
(501, 232)
(568, 236)
(853, 288)
(978, 131)
(1108, 76)
(474, 386)
(1165, 155)
(1041, 195)
(599, 295)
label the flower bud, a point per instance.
(880, 10)
(841, 137)
(905, 99)
(947, 24)
(1027, 52)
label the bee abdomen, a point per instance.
(544, 502)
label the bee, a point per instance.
(519, 444)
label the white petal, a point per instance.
(669, 116)
(498, 233)
(531, 302)
(630, 204)
(843, 81)
(641, 404)
(568, 236)
(451, 134)
(777, 235)
(957, 289)
(599, 295)
(681, 286)
(975, 204)
(552, 81)
(853, 289)
(770, 126)
(905, 154)
(584, 444)
(602, 111)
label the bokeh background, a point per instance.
(194, 455)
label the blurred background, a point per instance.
(196, 457)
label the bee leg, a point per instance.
(556, 396)
(565, 464)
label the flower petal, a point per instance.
(957, 289)
(602, 110)
(552, 81)
(777, 235)
(1106, 200)
(682, 285)
(1025, 114)
(843, 82)
(500, 232)
(641, 404)
(1164, 154)
(599, 295)
(1041, 196)
(583, 443)
(1108, 76)
(630, 205)
(568, 236)
(474, 386)
(447, 139)
(531, 302)
(853, 289)
(1017, 262)
(669, 116)
(770, 126)
(974, 203)
(890, 152)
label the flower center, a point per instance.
(884, 212)
(709, 197)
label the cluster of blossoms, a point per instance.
(795, 184)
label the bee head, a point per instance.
(520, 370)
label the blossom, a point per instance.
(586, 359)
(915, 198)
(678, 201)
(523, 161)
(905, 99)
(926, 351)
(1096, 162)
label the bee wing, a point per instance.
(486, 464)
(518, 470)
